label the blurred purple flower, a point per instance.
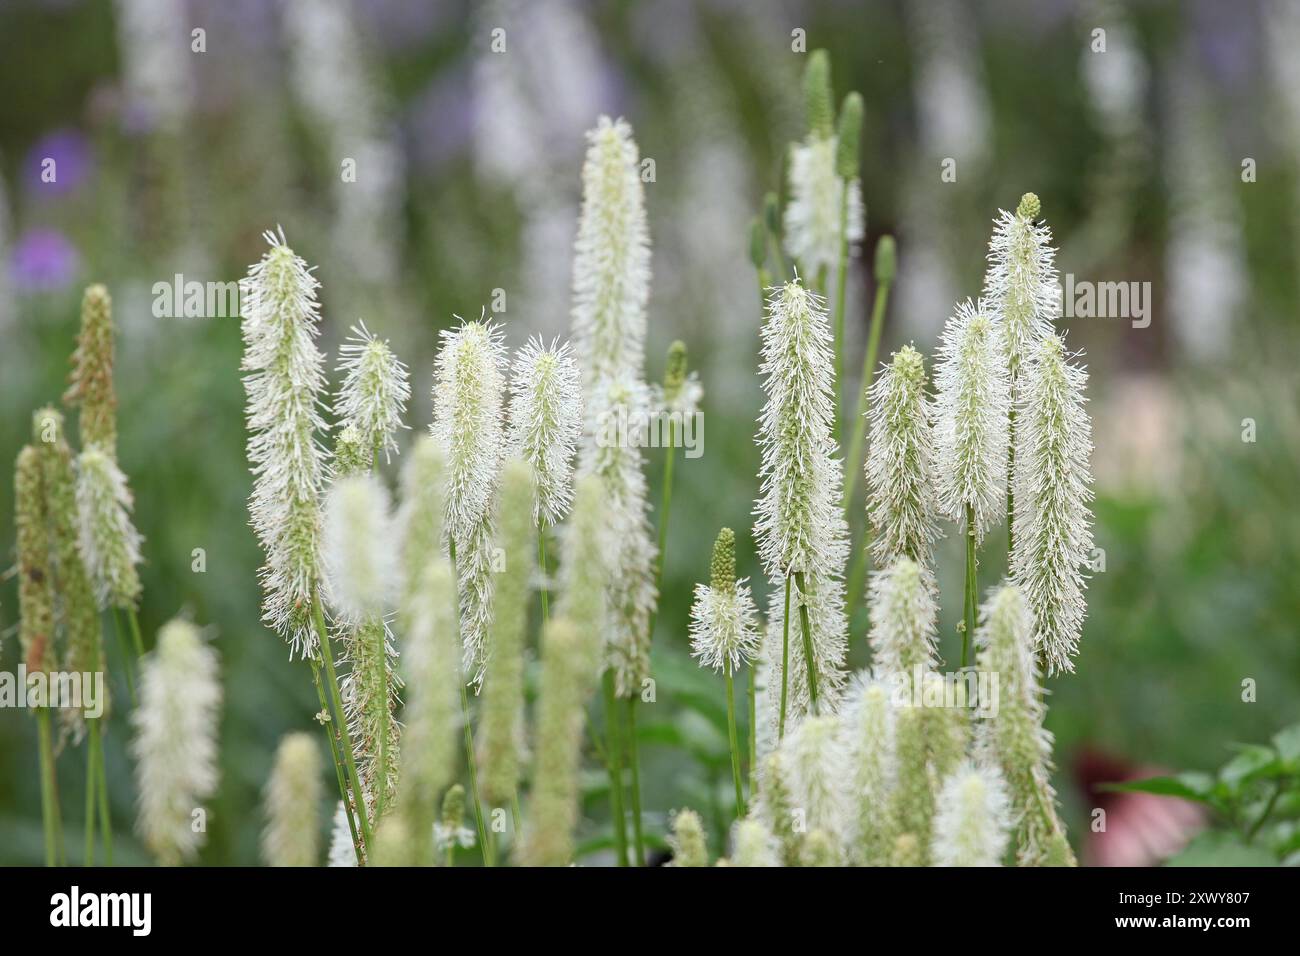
(43, 261)
(73, 159)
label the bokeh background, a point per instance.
(174, 161)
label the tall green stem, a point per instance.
(785, 661)
(126, 655)
(753, 731)
(853, 463)
(541, 567)
(841, 283)
(806, 627)
(49, 791)
(91, 779)
(735, 750)
(101, 791)
(614, 750)
(634, 762)
(968, 630)
(1011, 471)
(486, 848)
(135, 631)
(329, 727)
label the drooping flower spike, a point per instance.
(1053, 538)
(545, 423)
(970, 433)
(285, 388)
(374, 392)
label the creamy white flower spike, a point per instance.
(545, 423)
(285, 389)
(900, 463)
(109, 542)
(1053, 538)
(374, 392)
(175, 741)
(816, 767)
(1015, 738)
(360, 554)
(752, 844)
(972, 820)
(724, 620)
(970, 428)
(812, 217)
(903, 615)
(1020, 284)
(611, 265)
(799, 524)
(613, 454)
(868, 725)
(292, 834)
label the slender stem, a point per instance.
(1268, 810)
(135, 631)
(807, 639)
(332, 736)
(614, 749)
(1011, 472)
(858, 573)
(126, 655)
(484, 846)
(634, 760)
(785, 661)
(541, 567)
(853, 463)
(664, 508)
(517, 817)
(735, 750)
(968, 629)
(49, 797)
(753, 731)
(345, 736)
(105, 820)
(91, 779)
(841, 283)
(781, 269)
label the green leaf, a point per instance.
(1188, 786)
(1220, 848)
(1254, 762)
(1287, 742)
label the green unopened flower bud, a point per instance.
(351, 456)
(1030, 207)
(886, 260)
(817, 94)
(757, 243)
(91, 381)
(722, 570)
(849, 137)
(35, 583)
(453, 808)
(687, 841)
(675, 370)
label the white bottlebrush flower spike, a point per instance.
(902, 615)
(360, 548)
(284, 390)
(613, 454)
(1020, 284)
(292, 834)
(375, 389)
(812, 217)
(900, 463)
(816, 768)
(970, 429)
(724, 620)
(611, 265)
(467, 405)
(342, 852)
(753, 845)
(1053, 538)
(868, 726)
(828, 624)
(545, 423)
(799, 523)
(175, 746)
(109, 542)
(972, 818)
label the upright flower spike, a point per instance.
(501, 723)
(724, 620)
(911, 807)
(815, 762)
(91, 382)
(374, 392)
(776, 806)
(583, 597)
(972, 823)
(292, 834)
(545, 424)
(450, 831)
(285, 389)
(619, 410)
(35, 581)
(371, 696)
(753, 845)
(1020, 284)
(1015, 739)
(360, 560)
(970, 432)
(110, 545)
(1053, 523)
(467, 424)
(420, 515)
(611, 264)
(868, 724)
(817, 97)
(568, 669)
(175, 745)
(431, 665)
(688, 842)
(902, 614)
(900, 463)
(681, 391)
